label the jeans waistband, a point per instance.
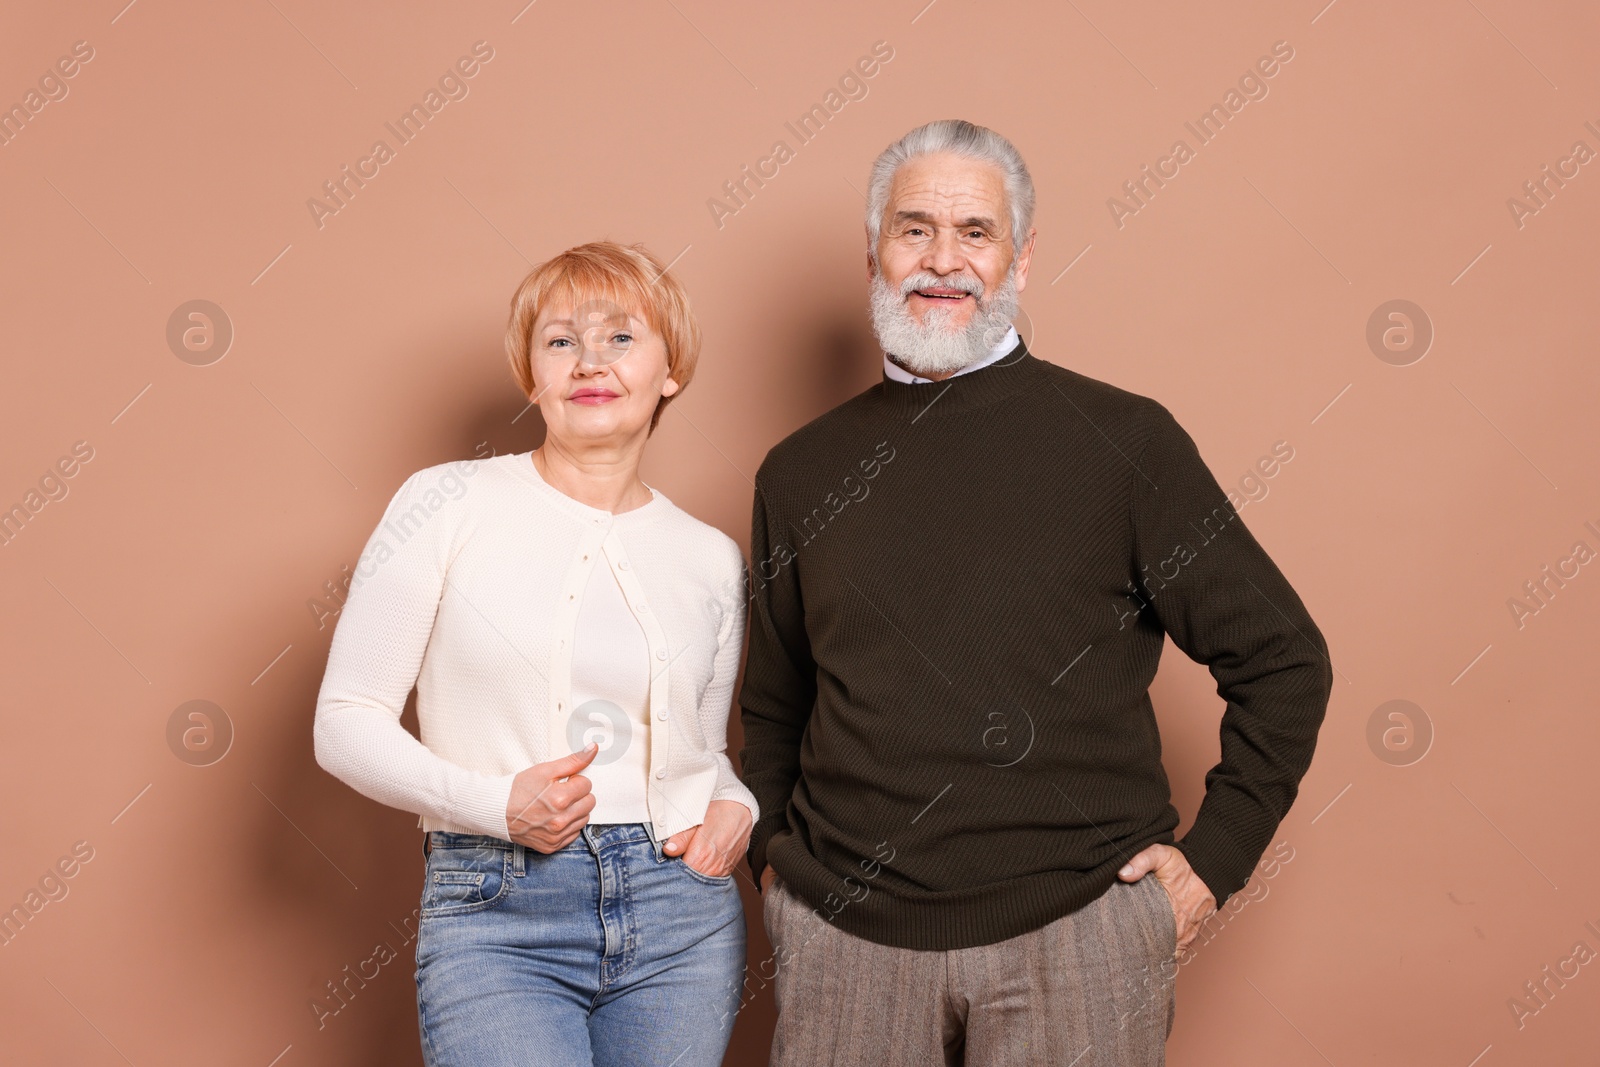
(614, 833)
(593, 837)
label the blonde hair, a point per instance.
(626, 275)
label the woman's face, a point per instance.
(598, 372)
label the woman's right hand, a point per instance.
(550, 802)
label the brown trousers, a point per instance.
(1095, 988)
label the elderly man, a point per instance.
(961, 580)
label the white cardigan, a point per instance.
(469, 589)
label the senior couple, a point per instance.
(952, 797)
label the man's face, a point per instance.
(948, 268)
(947, 215)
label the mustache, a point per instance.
(926, 279)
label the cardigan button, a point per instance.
(661, 653)
(661, 774)
(623, 565)
(661, 715)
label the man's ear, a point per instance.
(1024, 259)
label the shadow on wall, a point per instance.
(842, 358)
(351, 898)
(508, 424)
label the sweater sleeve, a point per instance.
(1223, 601)
(718, 698)
(373, 663)
(780, 679)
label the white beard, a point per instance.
(933, 346)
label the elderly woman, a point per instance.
(573, 637)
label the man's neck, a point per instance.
(1004, 347)
(936, 376)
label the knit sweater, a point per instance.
(961, 591)
(470, 589)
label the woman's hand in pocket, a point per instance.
(714, 847)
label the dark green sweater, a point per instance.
(959, 596)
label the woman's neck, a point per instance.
(605, 478)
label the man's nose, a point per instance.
(945, 255)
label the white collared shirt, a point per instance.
(997, 353)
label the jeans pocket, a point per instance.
(705, 879)
(465, 878)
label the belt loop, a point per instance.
(427, 843)
(650, 830)
(519, 855)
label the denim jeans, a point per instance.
(606, 952)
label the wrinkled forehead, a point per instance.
(949, 189)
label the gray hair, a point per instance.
(961, 138)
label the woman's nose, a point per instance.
(598, 348)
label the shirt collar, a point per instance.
(997, 353)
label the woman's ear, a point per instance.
(670, 387)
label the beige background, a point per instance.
(221, 899)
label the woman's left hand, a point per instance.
(714, 847)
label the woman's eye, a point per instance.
(558, 341)
(622, 339)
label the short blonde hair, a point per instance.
(626, 275)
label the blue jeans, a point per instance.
(605, 952)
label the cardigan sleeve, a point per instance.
(717, 702)
(373, 663)
(1223, 601)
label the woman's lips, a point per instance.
(592, 397)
